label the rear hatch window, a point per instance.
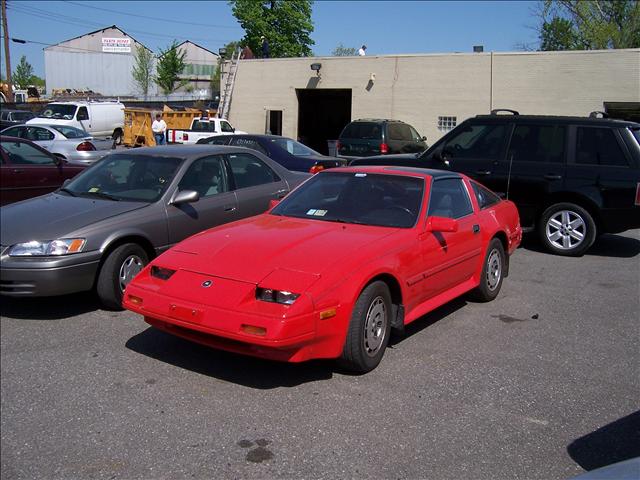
(361, 139)
(363, 131)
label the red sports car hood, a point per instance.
(251, 249)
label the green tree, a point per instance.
(589, 24)
(24, 72)
(342, 51)
(170, 66)
(286, 24)
(143, 70)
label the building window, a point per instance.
(447, 123)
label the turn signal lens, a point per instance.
(327, 313)
(253, 330)
(134, 300)
(315, 169)
(161, 273)
(276, 296)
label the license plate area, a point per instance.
(184, 313)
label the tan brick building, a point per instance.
(433, 92)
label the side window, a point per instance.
(207, 176)
(399, 131)
(415, 135)
(476, 141)
(599, 146)
(226, 127)
(82, 114)
(21, 153)
(249, 143)
(19, 132)
(250, 171)
(485, 197)
(538, 143)
(39, 134)
(449, 199)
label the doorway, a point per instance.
(322, 114)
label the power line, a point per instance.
(148, 17)
(48, 15)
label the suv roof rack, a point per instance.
(498, 110)
(595, 114)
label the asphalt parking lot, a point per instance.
(542, 383)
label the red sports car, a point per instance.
(330, 270)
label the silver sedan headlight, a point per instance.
(34, 248)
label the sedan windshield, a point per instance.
(362, 198)
(59, 110)
(294, 148)
(139, 178)
(70, 132)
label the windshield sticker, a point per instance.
(93, 189)
(361, 174)
(316, 213)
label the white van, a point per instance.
(99, 119)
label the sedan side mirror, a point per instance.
(424, 138)
(442, 224)
(185, 196)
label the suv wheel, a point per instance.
(567, 229)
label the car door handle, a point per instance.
(550, 176)
(476, 228)
(281, 193)
(483, 172)
(17, 170)
(230, 208)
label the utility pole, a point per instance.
(6, 51)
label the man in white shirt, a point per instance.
(362, 52)
(159, 128)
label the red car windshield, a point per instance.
(362, 198)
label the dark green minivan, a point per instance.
(368, 137)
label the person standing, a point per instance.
(363, 51)
(265, 47)
(159, 128)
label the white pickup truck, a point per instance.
(201, 127)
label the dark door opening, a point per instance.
(274, 122)
(322, 114)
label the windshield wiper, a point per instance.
(66, 190)
(101, 195)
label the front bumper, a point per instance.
(48, 276)
(289, 340)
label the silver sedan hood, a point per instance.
(55, 215)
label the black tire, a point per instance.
(369, 329)
(126, 260)
(117, 138)
(567, 229)
(493, 271)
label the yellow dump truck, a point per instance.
(137, 123)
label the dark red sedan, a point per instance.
(28, 170)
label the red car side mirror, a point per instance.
(442, 224)
(273, 202)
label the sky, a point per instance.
(386, 27)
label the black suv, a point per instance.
(572, 178)
(371, 136)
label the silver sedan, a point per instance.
(69, 143)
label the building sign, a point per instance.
(119, 45)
